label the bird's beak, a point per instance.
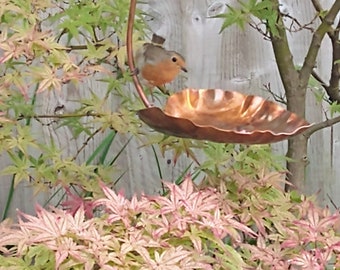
(184, 69)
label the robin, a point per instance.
(156, 65)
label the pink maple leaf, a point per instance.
(316, 223)
(306, 260)
(116, 205)
(75, 202)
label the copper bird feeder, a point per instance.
(223, 116)
(214, 114)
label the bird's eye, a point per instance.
(174, 59)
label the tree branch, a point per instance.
(59, 116)
(324, 27)
(284, 59)
(317, 5)
(306, 26)
(321, 125)
(86, 143)
(317, 77)
(278, 98)
(333, 88)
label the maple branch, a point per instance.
(278, 98)
(85, 143)
(305, 26)
(59, 116)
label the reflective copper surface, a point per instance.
(223, 116)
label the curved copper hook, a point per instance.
(131, 64)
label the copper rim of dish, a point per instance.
(223, 116)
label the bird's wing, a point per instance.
(154, 53)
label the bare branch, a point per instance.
(333, 95)
(85, 143)
(317, 77)
(300, 27)
(276, 97)
(261, 25)
(258, 28)
(321, 125)
(332, 91)
(58, 116)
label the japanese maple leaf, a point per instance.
(75, 202)
(315, 224)
(306, 260)
(169, 259)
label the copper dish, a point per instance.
(223, 116)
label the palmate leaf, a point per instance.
(13, 102)
(20, 169)
(315, 224)
(21, 140)
(234, 16)
(179, 146)
(76, 124)
(97, 51)
(264, 10)
(170, 259)
(186, 196)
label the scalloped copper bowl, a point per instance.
(223, 116)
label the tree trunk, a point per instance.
(297, 146)
(295, 83)
(297, 151)
(295, 91)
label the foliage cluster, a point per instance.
(251, 224)
(277, 20)
(49, 49)
(244, 220)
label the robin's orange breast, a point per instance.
(160, 74)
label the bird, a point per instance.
(157, 66)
